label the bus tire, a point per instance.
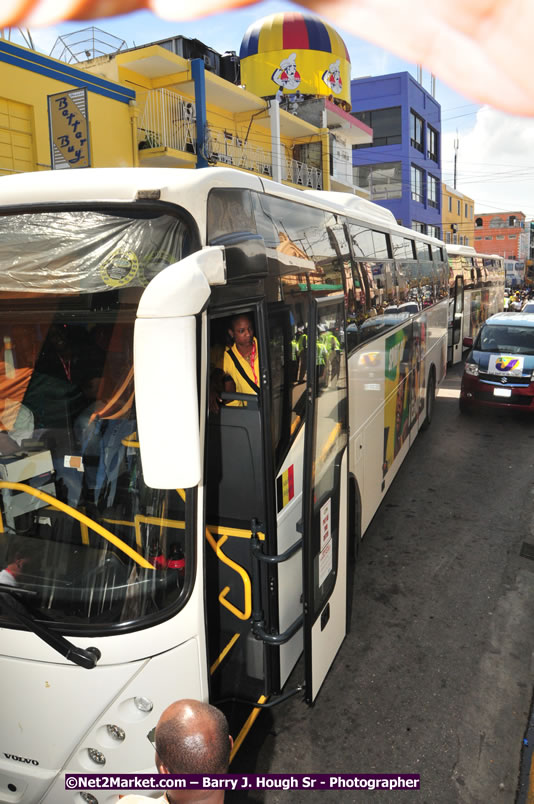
(430, 400)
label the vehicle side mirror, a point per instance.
(468, 342)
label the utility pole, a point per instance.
(456, 146)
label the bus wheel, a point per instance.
(430, 400)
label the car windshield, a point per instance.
(92, 546)
(513, 340)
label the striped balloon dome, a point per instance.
(292, 31)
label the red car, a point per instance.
(498, 369)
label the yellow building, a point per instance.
(92, 117)
(151, 106)
(457, 217)
(242, 130)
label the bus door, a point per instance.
(455, 340)
(325, 503)
(251, 651)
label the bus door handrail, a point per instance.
(247, 590)
(258, 620)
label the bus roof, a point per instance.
(187, 187)
(453, 250)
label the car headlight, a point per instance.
(472, 369)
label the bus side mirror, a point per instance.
(165, 368)
(166, 401)
(468, 342)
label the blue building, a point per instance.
(401, 168)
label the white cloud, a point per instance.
(495, 163)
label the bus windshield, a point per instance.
(79, 529)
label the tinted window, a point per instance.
(423, 250)
(386, 125)
(368, 244)
(229, 211)
(402, 248)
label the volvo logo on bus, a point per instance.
(21, 759)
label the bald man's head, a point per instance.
(193, 737)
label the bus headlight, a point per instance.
(472, 369)
(96, 756)
(116, 732)
(143, 704)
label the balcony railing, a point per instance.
(222, 146)
(302, 174)
(167, 120)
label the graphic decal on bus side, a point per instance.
(285, 489)
(399, 350)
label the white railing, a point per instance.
(303, 174)
(167, 120)
(222, 146)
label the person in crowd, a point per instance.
(515, 304)
(190, 737)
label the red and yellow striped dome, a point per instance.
(295, 52)
(292, 31)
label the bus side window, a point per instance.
(229, 210)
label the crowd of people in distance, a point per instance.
(516, 301)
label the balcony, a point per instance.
(167, 138)
(222, 148)
(302, 174)
(167, 130)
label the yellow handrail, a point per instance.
(247, 588)
(130, 440)
(216, 547)
(246, 727)
(223, 653)
(67, 509)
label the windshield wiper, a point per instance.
(81, 656)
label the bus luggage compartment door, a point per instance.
(325, 494)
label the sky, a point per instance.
(495, 158)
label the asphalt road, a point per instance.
(436, 675)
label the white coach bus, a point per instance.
(476, 284)
(151, 550)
